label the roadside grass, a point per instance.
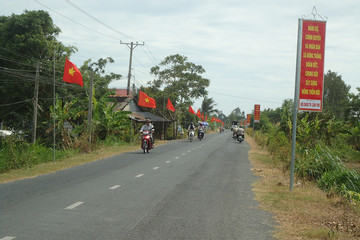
(305, 212)
(68, 162)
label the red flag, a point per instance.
(198, 113)
(191, 110)
(212, 119)
(205, 118)
(202, 117)
(72, 73)
(146, 101)
(170, 106)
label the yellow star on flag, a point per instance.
(71, 71)
(147, 100)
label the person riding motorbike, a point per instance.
(191, 127)
(234, 130)
(201, 130)
(148, 127)
(240, 132)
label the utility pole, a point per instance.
(35, 101)
(132, 46)
(90, 104)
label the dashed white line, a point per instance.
(74, 205)
(184, 154)
(156, 168)
(115, 187)
(140, 175)
(176, 157)
(7, 238)
(168, 162)
(189, 151)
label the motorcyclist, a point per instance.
(240, 132)
(235, 128)
(148, 127)
(191, 127)
(201, 130)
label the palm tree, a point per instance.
(208, 106)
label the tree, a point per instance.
(208, 106)
(180, 80)
(353, 110)
(236, 115)
(25, 40)
(335, 94)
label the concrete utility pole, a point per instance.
(35, 102)
(132, 46)
(90, 104)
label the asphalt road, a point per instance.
(180, 190)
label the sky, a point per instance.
(247, 48)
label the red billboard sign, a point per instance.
(257, 113)
(312, 66)
(248, 118)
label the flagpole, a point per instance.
(54, 108)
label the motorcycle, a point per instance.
(200, 135)
(191, 135)
(234, 136)
(146, 142)
(240, 138)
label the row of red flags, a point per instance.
(146, 101)
(72, 75)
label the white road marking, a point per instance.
(176, 157)
(140, 175)
(115, 187)
(7, 238)
(184, 154)
(74, 205)
(168, 161)
(189, 151)
(156, 168)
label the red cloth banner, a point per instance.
(257, 113)
(248, 119)
(170, 106)
(72, 73)
(198, 113)
(191, 110)
(312, 66)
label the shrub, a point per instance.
(311, 164)
(342, 181)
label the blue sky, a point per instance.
(248, 48)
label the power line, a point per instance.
(97, 20)
(77, 22)
(156, 61)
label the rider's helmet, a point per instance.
(191, 123)
(147, 120)
(200, 124)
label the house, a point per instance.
(127, 103)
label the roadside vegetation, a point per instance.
(327, 157)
